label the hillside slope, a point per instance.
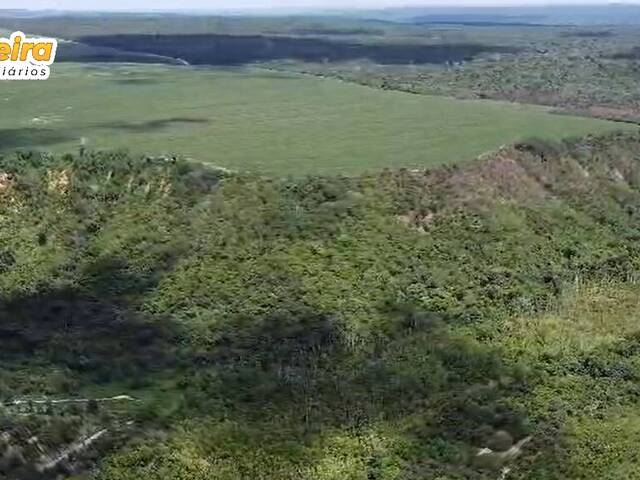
(466, 322)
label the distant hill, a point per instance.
(614, 14)
(606, 14)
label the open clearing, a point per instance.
(251, 119)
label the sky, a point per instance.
(238, 5)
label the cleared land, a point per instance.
(251, 119)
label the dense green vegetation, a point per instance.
(262, 121)
(385, 326)
(272, 304)
(216, 49)
(592, 71)
(579, 60)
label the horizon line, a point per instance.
(334, 10)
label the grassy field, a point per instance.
(256, 120)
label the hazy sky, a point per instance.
(274, 4)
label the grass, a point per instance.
(251, 119)
(592, 317)
(585, 353)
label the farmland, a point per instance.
(252, 119)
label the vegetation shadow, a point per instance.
(91, 330)
(153, 125)
(211, 49)
(13, 138)
(297, 360)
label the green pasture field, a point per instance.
(257, 120)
